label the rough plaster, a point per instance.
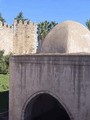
(65, 76)
(67, 37)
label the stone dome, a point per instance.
(67, 37)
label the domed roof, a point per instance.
(67, 37)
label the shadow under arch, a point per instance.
(44, 105)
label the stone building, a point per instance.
(20, 38)
(55, 83)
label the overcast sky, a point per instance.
(50, 10)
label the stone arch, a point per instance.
(35, 96)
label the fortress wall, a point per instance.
(6, 38)
(20, 38)
(24, 38)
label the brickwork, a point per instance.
(20, 38)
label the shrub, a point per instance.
(4, 62)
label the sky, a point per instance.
(50, 10)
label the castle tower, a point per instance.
(6, 38)
(24, 37)
(20, 38)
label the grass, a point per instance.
(4, 82)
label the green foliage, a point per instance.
(44, 28)
(4, 82)
(7, 57)
(88, 24)
(20, 17)
(1, 18)
(4, 62)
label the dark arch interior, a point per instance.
(45, 107)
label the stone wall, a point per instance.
(65, 77)
(24, 37)
(6, 38)
(20, 38)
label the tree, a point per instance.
(6, 58)
(43, 29)
(4, 62)
(88, 24)
(20, 17)
(1, 18)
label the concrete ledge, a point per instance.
(75, 59)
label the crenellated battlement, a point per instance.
(19, 38)
(28, 23)
(24, 37)
(4, 25)
(20, 22)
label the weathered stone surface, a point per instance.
(67, 37)
(6, 38)
(65, 77)
(24, 38)
(19, 38)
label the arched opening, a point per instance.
(45, 107)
